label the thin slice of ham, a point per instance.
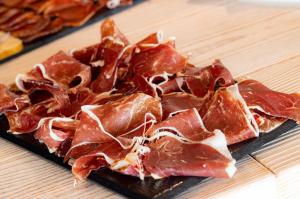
(11, 102)
(182, 146)
(203, 81)
(54, 131)
(115, 121)
(228, 112)
(273, 103)
(176, 102)
(266, 123)
(61, 70)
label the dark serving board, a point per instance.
(149, 188)
(102, 14)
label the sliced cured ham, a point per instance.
(176, 102)
(187, 124)
(11, 102)
(55, 26)
(266, 123)
(115, 121)
(273, 103)
(72, 12)
(154, 65)
(203, 81)
(54, 131)
(27, 119)
(228, 112)
(181, 145)
(60, 69)
(157, 60)
(31, 28)
(9, 14)
(171, 156)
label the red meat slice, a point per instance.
(11, 102)
(181, 146)
(272, 103)
(54, 131)
(176, 102)
(61, 70)
(115, 121)
(228, 112)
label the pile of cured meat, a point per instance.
(32, 19)
(141, 109)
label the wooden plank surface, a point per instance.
(261, 40)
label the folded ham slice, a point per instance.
(228, 112)
(115, 121)
(273, 103)
(11, 102)
(54, 131)
(60, 70)
(181, 145)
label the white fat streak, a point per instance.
(71, 51)
(218, 142)
(160, 36)
(180, 134)
(176, 112)
(180, 84)
(199, 119)
(52, 134)
(99, 63)
(44, 73)
(17, 107)
(117, 41)
(231, 168)
(259, 108)
(106, 157)
(164, 75)
(249, 117)
(20, 78)
(155, 176)
(111, 4)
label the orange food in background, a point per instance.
(9, 45)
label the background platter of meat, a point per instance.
(37, 22)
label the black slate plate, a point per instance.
(102, 14)
(149, 188)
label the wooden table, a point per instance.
(260, 41)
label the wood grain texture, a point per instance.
(260, 41)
